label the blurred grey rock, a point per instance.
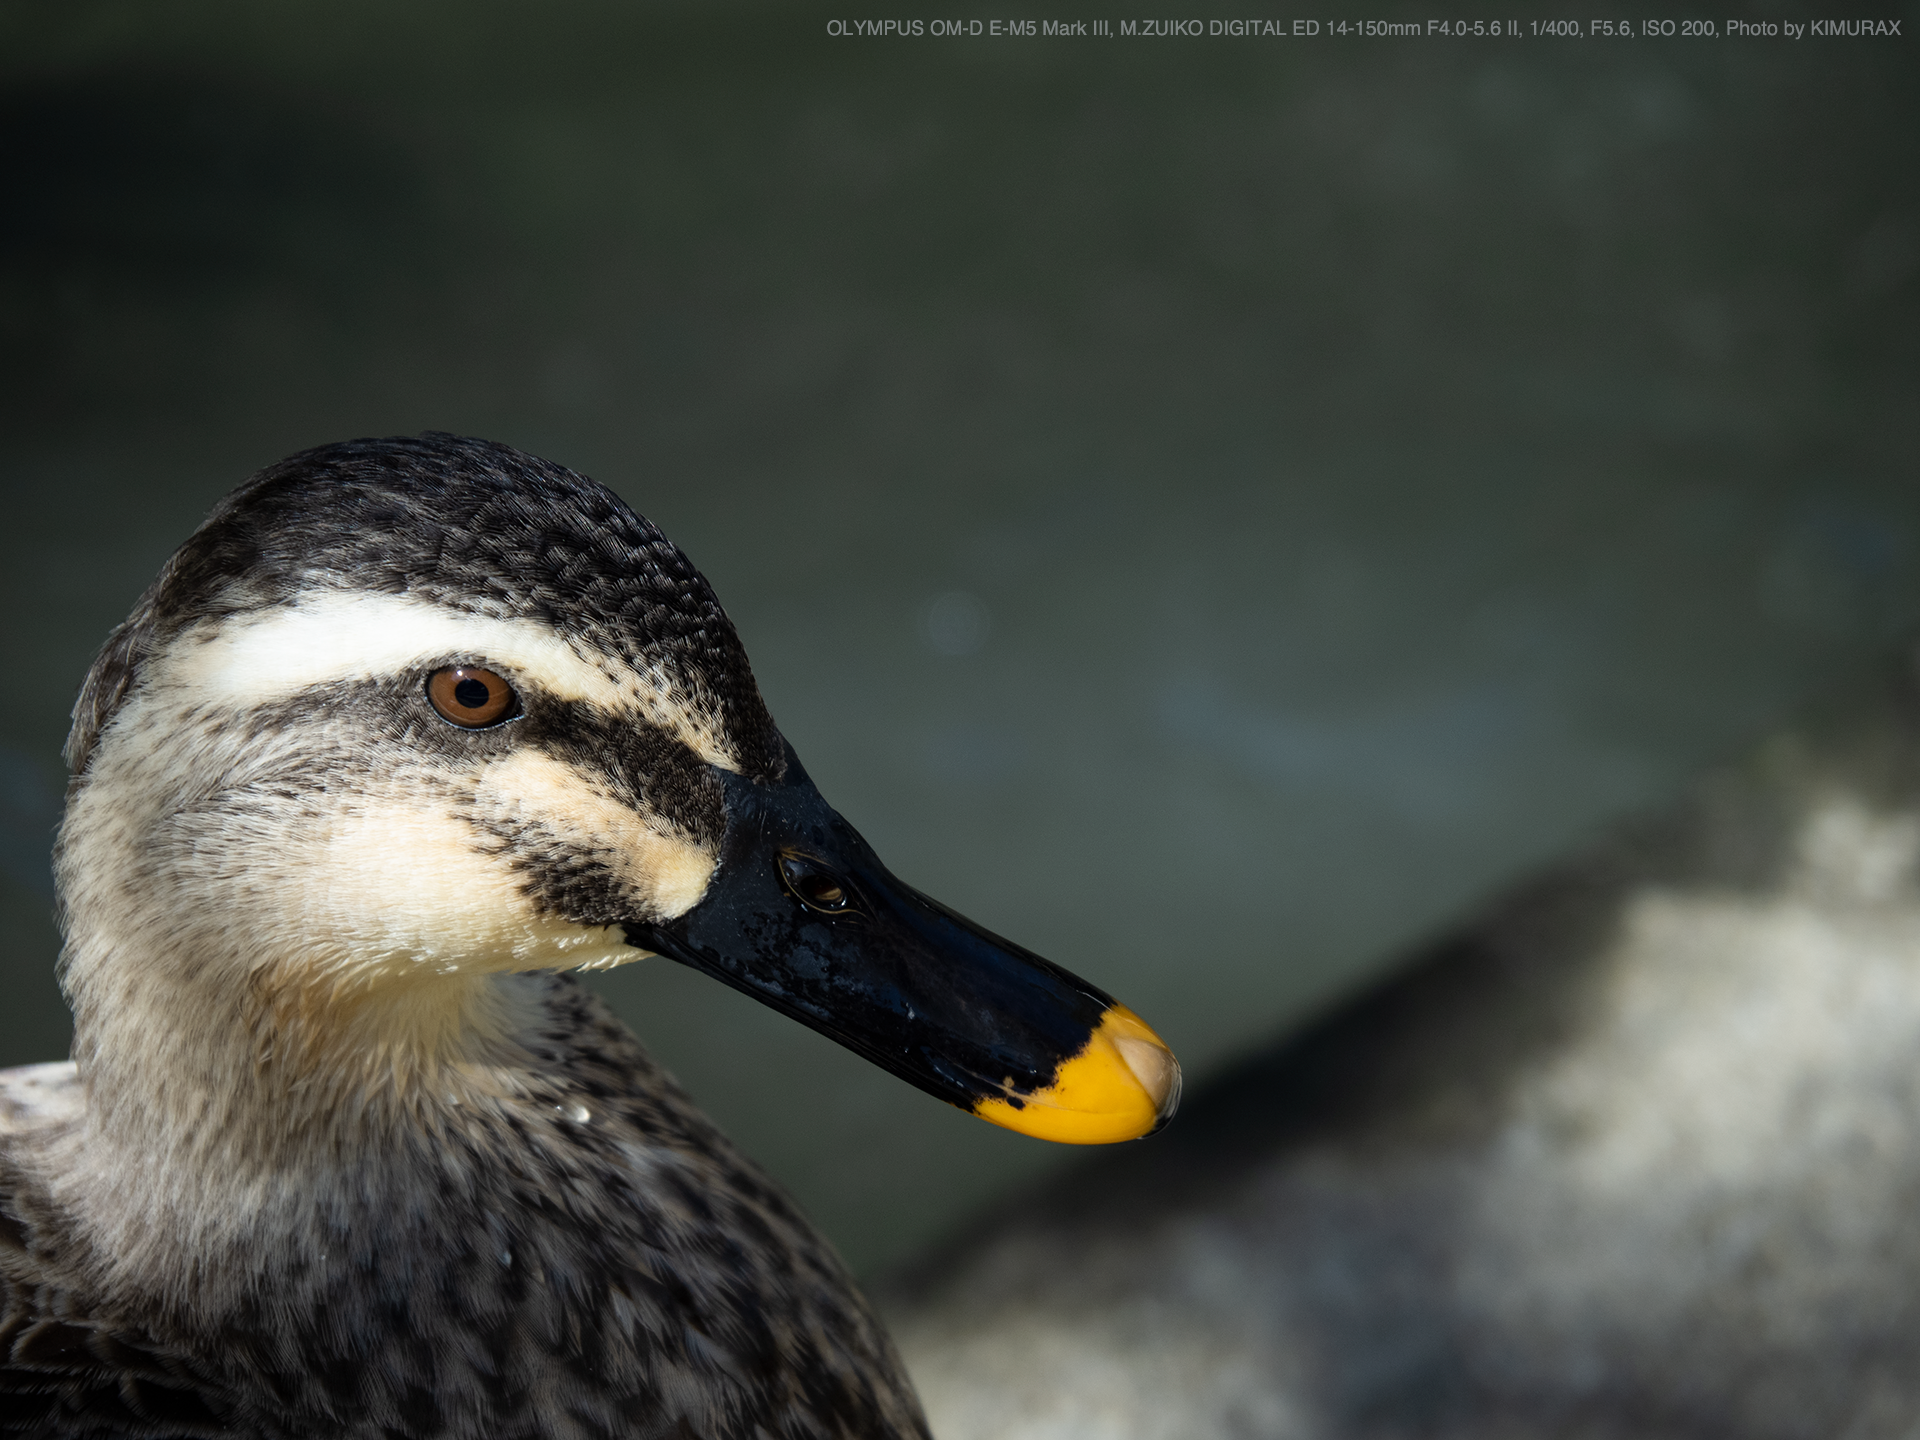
(1636, 1154)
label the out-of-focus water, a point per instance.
(1208, 509)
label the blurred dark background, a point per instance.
(1211, 509)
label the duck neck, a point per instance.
(225, 1106)
(237, 1068)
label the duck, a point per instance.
(405, 736)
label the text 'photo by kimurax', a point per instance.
(594, 587)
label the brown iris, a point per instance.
(470, 697)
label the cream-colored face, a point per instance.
(298, 860)
(278, 797)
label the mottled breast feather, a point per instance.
(531, 1284)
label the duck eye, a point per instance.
(467, 696)
(814, 885)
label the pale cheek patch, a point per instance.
(332, 637)
(658, 865)
(395, 888)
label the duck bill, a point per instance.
(801, 915)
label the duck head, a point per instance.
(406, 714)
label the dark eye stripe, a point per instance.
(644, 765)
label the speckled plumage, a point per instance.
(525, 1275)
(338, 1155)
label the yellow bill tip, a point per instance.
(1123, 1083)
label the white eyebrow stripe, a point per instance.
(331, 636)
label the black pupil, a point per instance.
(471, 694)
